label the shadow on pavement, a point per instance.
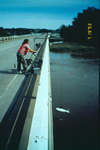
(8, 71)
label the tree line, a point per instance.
(21, 31)
(85, 28)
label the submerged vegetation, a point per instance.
(76, 50)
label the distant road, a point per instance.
(10, 81)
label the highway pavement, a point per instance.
(10, 81)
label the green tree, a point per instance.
(3, 32)
(78, 31)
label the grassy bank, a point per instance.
(75, 49)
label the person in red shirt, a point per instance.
(24, 48)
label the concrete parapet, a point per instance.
(6, 38)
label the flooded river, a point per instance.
(75, 86)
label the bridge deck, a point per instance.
(29, 124)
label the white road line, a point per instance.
(9, 85)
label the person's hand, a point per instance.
(33, 52)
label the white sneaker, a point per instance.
(19, 72)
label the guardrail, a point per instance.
(41, 133)
(6, 38)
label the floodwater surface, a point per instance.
(75, 86)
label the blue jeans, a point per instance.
(21, 60)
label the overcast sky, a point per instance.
(50, 14)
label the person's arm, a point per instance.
(30, 50)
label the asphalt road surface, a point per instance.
(10, 81)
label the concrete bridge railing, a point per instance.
(41, 133)
(6, 38)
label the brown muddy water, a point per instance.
(75, 86)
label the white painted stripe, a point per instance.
(38, 139)
(9, 85)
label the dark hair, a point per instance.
(25, 41)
